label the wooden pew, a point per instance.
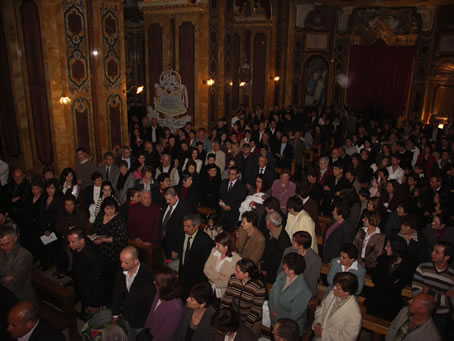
(147, 252)
(406, 292)
(324, 223)
(56, 304)
(204, 211)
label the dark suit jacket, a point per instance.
(315, 192)
(137, 302)
(46, 331)
(286, 161)
(344, 233)
(269, 176)
(88, 197)
(113, 172)
(203, 329)
(174, 227)
(87, 276)
(191, 199)
(232, 198)
(244, 334)
(132, 159)
(191, 271)
(149, 132)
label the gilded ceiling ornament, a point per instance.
(396, 27)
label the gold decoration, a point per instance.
(396, 27)
(445, 67)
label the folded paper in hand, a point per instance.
(48, 239)
(94, 236)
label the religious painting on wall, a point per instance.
(315, 81)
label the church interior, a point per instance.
(84, 74)
(70, 69)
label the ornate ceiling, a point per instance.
(376, 3)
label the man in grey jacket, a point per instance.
(15, 266)
(414, 322)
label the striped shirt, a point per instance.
(247, 300)
(438, 282)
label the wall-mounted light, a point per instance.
(441, 126)
(231, 83)
(64, 99)
(209, 82)
(276, 78)
(139, 89)
(94, 53)
(242, 84)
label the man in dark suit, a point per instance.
(93, 192)
(134, 291)
(334, 184)
(87, 270)
(172, 221)
(154, 131)
(193, 249)
(126, 155)
(109, 169)
(284, 153)
(17, 197)
(231, 194)
(24, 322)
(262, 167)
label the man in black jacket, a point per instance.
(24, 323)
(276, 243)
(172, 221)
(87, 270)
(231, 194)
(133, 292)
(193, 250)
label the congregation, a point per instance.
(232, 219)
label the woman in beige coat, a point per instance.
(338, 317)
(221, 263)
(299, 220)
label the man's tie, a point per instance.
(261, 171)
(188, 248)
(107, 173)
(166, 220)
(230, 187)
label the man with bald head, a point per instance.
(25, 324)
(414, 322)
(133, 292)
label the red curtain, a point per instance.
(380, 75)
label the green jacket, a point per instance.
(292, 302)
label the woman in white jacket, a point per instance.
(299, 220)
(221, 263)
(338, 317)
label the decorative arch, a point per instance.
(315, 81)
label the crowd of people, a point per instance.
(387, 189)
